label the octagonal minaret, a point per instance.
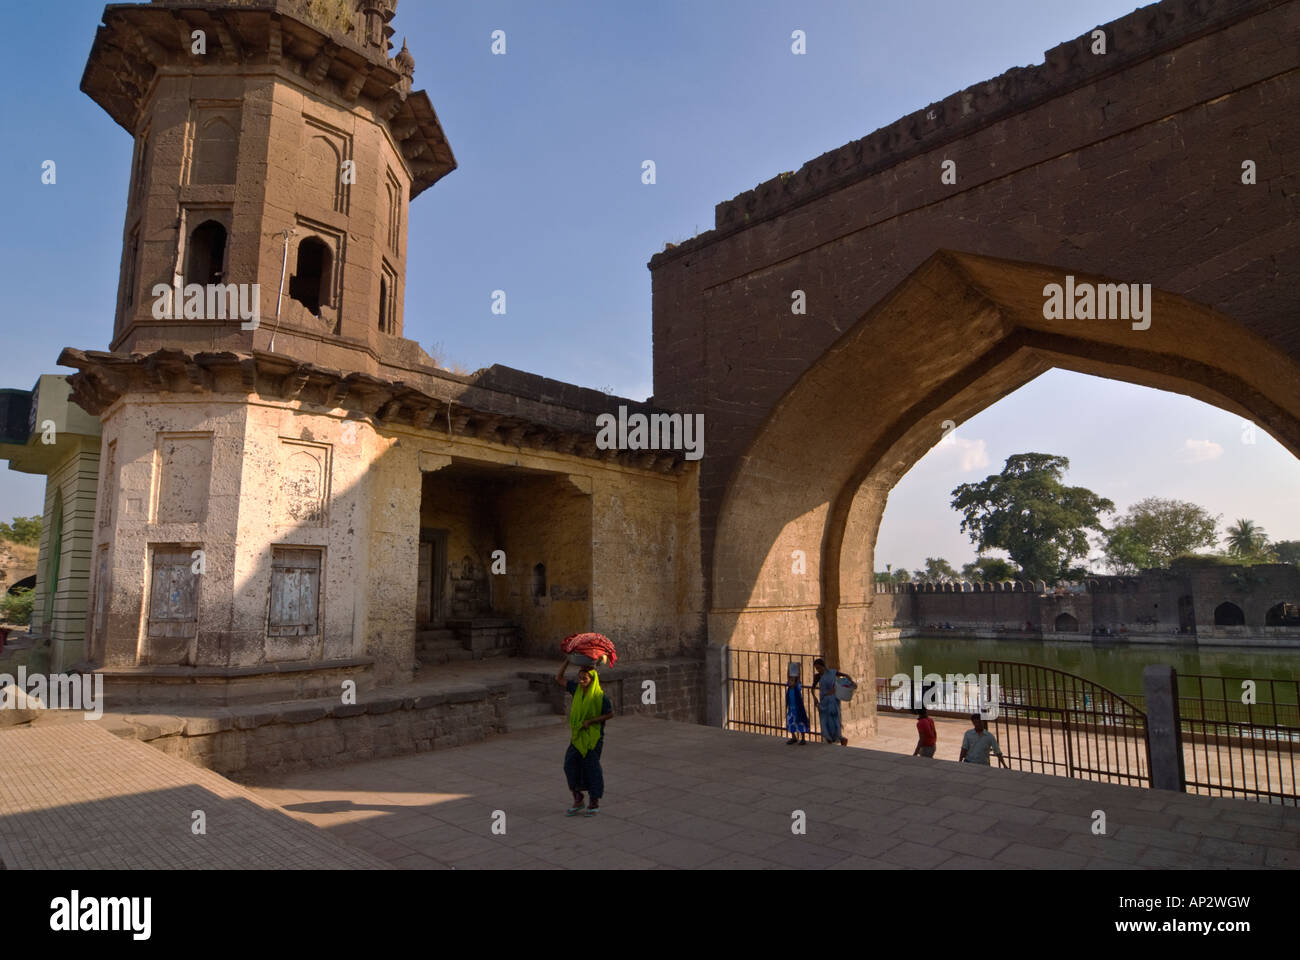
(277, 144)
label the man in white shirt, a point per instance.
(977, 743)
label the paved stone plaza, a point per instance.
(73, 796)
(683, 795)
(679, 796)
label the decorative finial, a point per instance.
(405, 62)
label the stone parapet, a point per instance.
(1138, 36)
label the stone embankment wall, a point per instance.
(1183, 602)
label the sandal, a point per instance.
(574, 811)
(592, 811)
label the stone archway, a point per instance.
(959, 333)
(1228, 614)
(1282, 614)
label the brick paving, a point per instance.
(679, 796)
(73, 796)
(682, 795)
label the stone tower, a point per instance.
(277, 148)
(290, 505)
(277, 144)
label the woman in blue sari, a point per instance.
(796, 717)
(829, 704)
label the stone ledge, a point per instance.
(259, 738)
(171, 672)
(307, 714)
(203, 726)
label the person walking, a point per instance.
(587, 716)
(977, 742)
(828, 706)
(796, 717)
(927, 739)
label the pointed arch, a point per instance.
(959, 333)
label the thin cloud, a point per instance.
(1196, 451)
(972, 454)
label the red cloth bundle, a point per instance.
(594, 645)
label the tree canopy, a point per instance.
(1152, 532)
(992, 569)
(1287, 551)
(25, 530)
(937, 568)
(893, 576)
(1030, 513)
(1247, 539)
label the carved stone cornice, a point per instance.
(104, 378)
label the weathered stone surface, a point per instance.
(900, 336)
(205, 726)
(337, 476)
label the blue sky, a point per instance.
(548, 205)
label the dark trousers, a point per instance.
(584, 773)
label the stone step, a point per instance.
(443, 656)
(519, 710)
(548, 720)
(448, 644)
(429, 636)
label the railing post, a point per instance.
(1164, 729)
(715, 685)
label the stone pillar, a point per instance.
(715, 685)
(1160, 687)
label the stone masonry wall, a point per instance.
(257, 741)
(1127, 165)
(270, 740)
(678, 689)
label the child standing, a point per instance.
(926, 738)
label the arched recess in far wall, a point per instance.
(959, 333)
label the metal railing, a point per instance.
(756, 691)
(1240, 737)
(1050, 721)
(1236, 740)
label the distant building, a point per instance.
(42, 431)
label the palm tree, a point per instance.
(1246, 537)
